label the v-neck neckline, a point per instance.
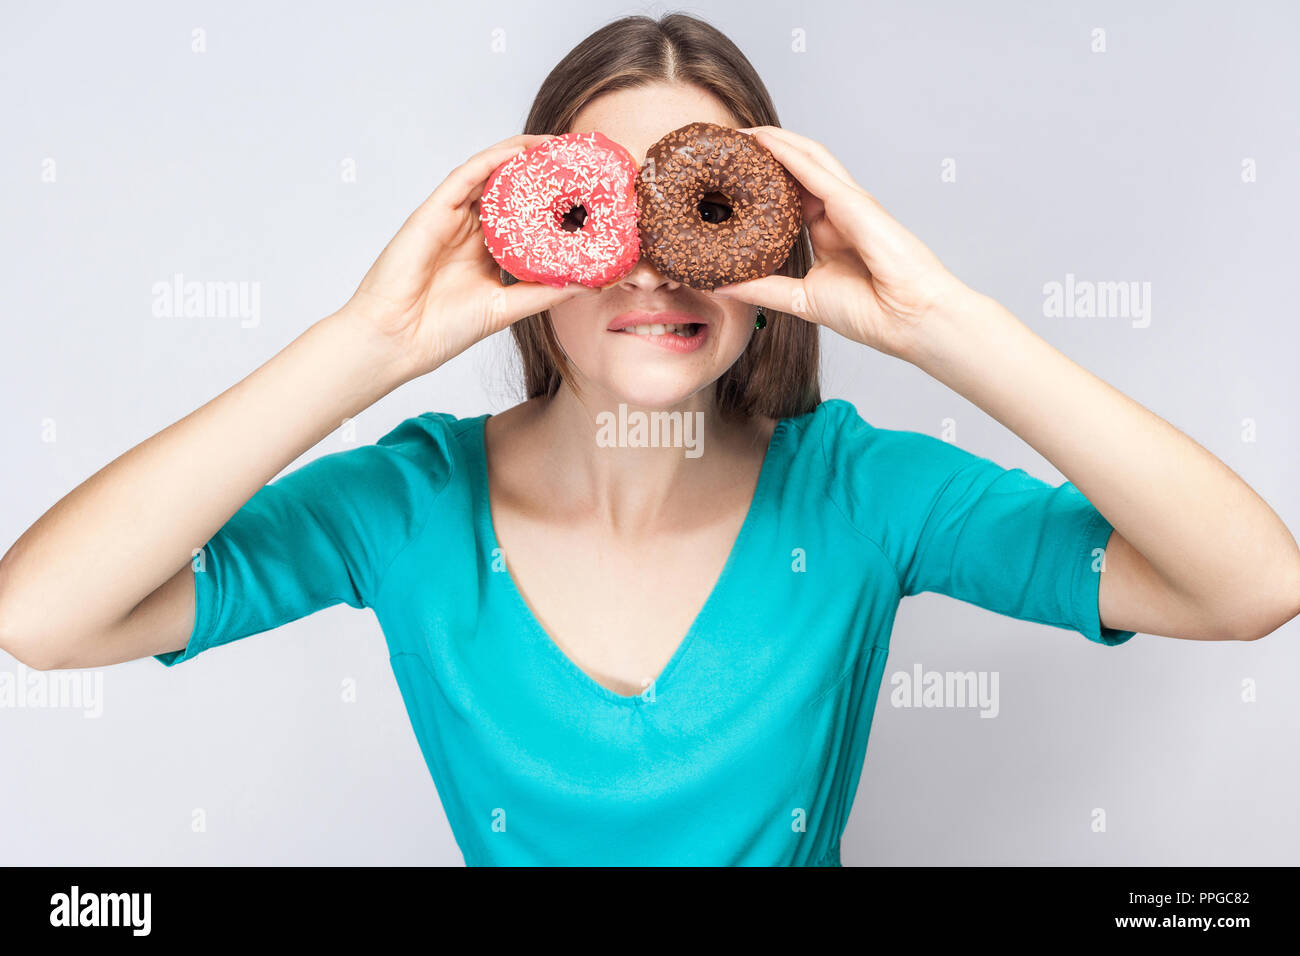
(735, 556)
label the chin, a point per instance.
(645, 390)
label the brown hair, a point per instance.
(777, 375)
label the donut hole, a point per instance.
(714, 207)
(574, 219)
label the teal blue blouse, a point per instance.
(748, 747)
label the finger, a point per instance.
(814, 207)
(813, 148)
(474, 172)
(430, 221)
(823, 155)
(861, 215)
(815, 177)
(521, 143)
(819, 186)
(511, 303)
(776, 292)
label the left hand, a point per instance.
(871, 280)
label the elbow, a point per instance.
(1279, 605)
(35, 655)
(31, 656)
(17, 641)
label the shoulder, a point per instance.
(407, 467)
(875, 476)
(435, 444)
(853, 447)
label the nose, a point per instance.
(644, 277)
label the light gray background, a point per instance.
(1115, 166)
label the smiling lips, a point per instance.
(676, 331)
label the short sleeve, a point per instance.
(958, 524)
(320, 535)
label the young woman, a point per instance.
(631, 654)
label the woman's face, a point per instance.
(647, 370)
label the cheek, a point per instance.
(574, 323)
(737, 328)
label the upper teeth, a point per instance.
(673, 329)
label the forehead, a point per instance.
(638, 117)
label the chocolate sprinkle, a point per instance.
(692, 162)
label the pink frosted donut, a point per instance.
(564, 211)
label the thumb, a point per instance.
(512, 302)
(775, 292)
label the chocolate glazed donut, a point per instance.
(716, 207)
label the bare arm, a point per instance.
(71, 581)
(1195, 553)
(104, 575)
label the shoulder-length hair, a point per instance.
(777, 375)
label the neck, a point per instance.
(590, 455)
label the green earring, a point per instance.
(760, 320)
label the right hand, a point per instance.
(435, 290)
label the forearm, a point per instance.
(111, 541)
(1201, 528)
